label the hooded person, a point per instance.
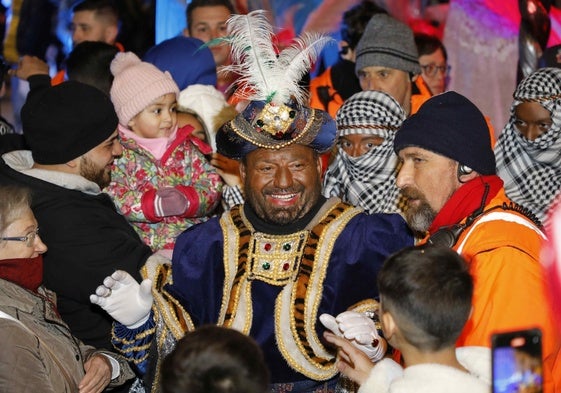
(270, 266)
(364, 169)
(528, 151)
(454, 196)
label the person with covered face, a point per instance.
(365, 166)
(528, 151)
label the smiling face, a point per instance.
(157, 120)
(282, 185)
(427, 180)
(95, 165)
(23, 226)
(394, 82)
(87, 26)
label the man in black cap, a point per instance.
(270, 266)
(454, 196)
(72, 131)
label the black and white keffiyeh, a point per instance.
(531, 170)
(367, 181)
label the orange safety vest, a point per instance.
(322, 92)
(510, 292)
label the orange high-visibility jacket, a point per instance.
(502, 249)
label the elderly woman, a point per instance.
(39, 353)
(363, 172)
(528, 151)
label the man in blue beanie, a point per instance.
(455, 198)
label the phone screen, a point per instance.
(517, 362)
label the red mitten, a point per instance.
(170, 201)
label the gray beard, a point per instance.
(420, 220)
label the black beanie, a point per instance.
(451, 125)
(63, 122)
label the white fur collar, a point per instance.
(388, 376)
(22, 161)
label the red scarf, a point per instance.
(25, 272)
(466, 200)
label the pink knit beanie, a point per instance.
(136, 85)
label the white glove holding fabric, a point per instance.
(359, 329)
(124, 299)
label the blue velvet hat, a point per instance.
(276, 116)
(266, 126)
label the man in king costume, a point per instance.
(270, 266)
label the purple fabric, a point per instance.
(198, 276)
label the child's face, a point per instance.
(157, 120)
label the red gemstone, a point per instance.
(267, 246)
(285, 266)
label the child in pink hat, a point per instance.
(162, 183)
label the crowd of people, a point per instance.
(205, 219)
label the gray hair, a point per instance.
(13, 201)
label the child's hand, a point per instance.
(170, 201)
(351, 362)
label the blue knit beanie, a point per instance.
(451, 125)
(187, 59)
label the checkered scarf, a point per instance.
(367, 181)
(531, 170)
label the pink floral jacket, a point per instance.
(137, 175)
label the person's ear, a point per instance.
(72, 163)
(131, 123)
(465, 173)
(111, 33)
(186, 32)
(242, 171)
(389, 326)
(319, 164)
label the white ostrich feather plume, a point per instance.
(269, 77)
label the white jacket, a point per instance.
(388, 376)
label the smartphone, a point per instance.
(517, 362)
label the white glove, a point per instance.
(124, 299)
(359, 329)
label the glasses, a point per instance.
(29, 239)
(432, 69)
